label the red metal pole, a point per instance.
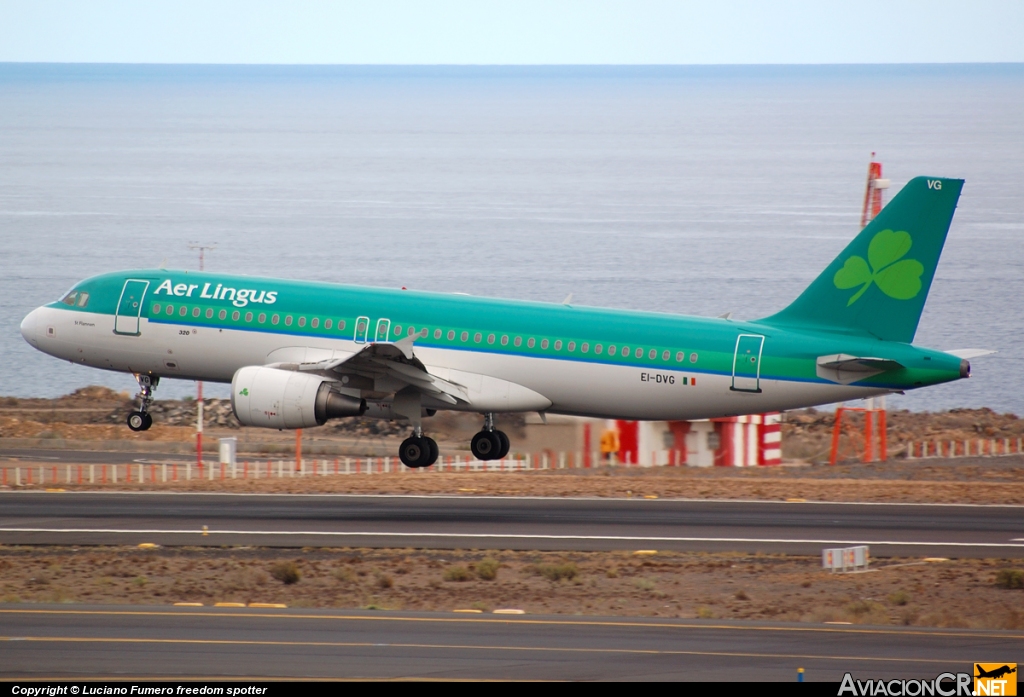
(835, 436)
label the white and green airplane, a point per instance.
(297, 354)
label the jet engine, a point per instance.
(273, 398)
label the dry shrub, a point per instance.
(384, 581)
(556, 572)
(1010, 578)
(741, 595)
(287, 572)
(456, 573)
(705, 613)
(900, 598)
(487, 569)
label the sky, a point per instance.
(512, 32)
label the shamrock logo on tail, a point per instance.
(897, 279)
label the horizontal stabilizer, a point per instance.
(970, 353)
(846, 369)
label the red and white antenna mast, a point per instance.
(873, 192)
(199, 384)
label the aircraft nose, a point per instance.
(32, 327)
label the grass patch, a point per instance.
(287, 572)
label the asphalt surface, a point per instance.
(477, 522)
(57, 642)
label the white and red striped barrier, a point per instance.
(979, 447)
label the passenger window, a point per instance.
(262, 318)
(531, 342)
(315, 323)
(597, 349)
(248, 317)
(585, 347)
(209, 313)
(328, 324)
(195, 311)
(693, 358)
(465, 336)
(302, 321)
(398, 330)
(490, 338)
(558, 345)
(665, 355)
(156, 309)
(504, 339)
(288, 320)
(170, 310)
(341, 324)
(437, 333)
(275, 319)
(572, 346)
(451, 335)
(235, 315)
(639, 353)
(477, 337)
(222, 314)
(611, 351)
(680, 356)
(518, 341)
(183, 311)
(83, 299)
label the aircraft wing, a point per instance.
(390, 367)
(381, 369)
(846, 369)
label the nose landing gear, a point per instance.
(141, 420)
(490, 444)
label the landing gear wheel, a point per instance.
(505, 445)
(434, 452)
(137, 421)
(149, 421)
(486, 445)
(415, 451)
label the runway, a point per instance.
(458, 522)
(60, 643)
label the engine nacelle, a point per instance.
(272, 398)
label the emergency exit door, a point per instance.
(746, 363)
(129, 307)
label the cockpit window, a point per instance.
(83, 299)
(69, 299)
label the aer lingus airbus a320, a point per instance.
(297, 354)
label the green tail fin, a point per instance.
(878, 285)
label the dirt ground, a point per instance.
(956, 593)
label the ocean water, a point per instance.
(694, 190)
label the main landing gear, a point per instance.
(418, 450)
(141, 420)
(490, 444)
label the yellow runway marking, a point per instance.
(557, 623)
(468, 647)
